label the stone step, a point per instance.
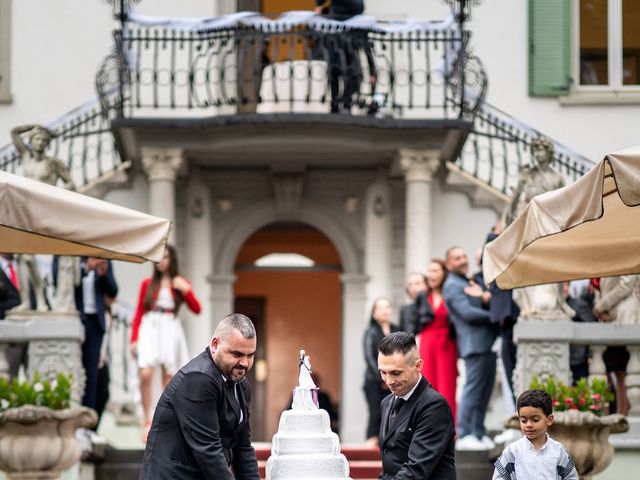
(364, 463)
(119, 464)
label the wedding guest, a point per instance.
(157, 336)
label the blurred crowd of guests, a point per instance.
(454, 314)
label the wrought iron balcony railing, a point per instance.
(297, 63)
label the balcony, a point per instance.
(250, 89)
(247, 87)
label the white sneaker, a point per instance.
(470, 442)
(510, 435)
(487, 442)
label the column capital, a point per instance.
(161, 163)
(418, 165)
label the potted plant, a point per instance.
(581, 423)
(37, 427)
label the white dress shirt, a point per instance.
(532, 464)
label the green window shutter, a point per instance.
(549, 30)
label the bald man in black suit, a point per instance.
(200, 428)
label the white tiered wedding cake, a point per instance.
(305, 447)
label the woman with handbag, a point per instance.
(437, 342)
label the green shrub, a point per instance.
(55, 394)
(584, 396)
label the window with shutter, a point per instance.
(549, 39)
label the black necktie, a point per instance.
(397, 405)
(231, 386)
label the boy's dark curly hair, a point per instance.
(537, 399)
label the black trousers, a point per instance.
(374, 395)
(93, 334)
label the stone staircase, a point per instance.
(364, 463)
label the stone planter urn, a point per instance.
(40, 443)
(586, 437)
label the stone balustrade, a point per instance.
(55, 341)
(543, 349)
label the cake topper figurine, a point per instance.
(305, 395)
(304, 377)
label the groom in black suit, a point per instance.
(200, 427)
(417, 429)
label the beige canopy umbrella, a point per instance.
(590, 228)
(39, 218)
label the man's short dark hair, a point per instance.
(238, 322)
(536, 399)
(395, 342)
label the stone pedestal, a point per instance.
(543, 350)
(54, 340)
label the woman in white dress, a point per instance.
(157, 337)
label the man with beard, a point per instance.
(467, 305)
(200, 428)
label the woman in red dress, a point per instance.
(437, 338)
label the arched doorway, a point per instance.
(295, 301)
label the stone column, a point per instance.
(161, 166)
(353, 414)
(378, 238)
(197, 260)
(419, 167)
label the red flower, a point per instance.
(596, 397)
(569, 401)
(582, 401)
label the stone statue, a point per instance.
(38, 166)
(535, 179)
(540, 302)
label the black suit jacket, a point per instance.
(103, 285)
(195, 432)
(420, 446)
(416, 315)
(9, 294)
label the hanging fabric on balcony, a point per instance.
(288, 20)
(40, 218)
(588, 229)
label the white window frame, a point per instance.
(615, 92)
(5, 51)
